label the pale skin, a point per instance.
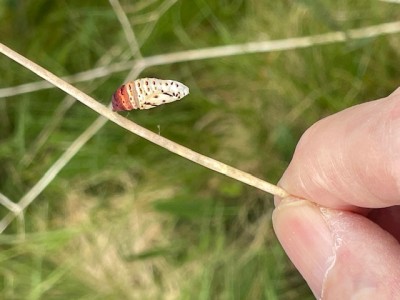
(342, 230)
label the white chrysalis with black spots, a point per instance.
(147, 93)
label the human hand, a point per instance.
(344, 239)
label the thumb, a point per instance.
(340, 254)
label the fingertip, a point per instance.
(340, 254)
(366, 259)
(306, 238)
(350, 159)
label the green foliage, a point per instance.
(125, 219)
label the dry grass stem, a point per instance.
(43, 136)
(126, 27)
(16, 211)
(63, 107)
(63, 160)
(127, 124)
(155, 15)
(78, 77)
(270, 46)
(10, 205)
(54, 169)
(139, 5)
(215, 52)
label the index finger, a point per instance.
(350, 159)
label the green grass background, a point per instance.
(126, 219)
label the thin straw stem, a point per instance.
(216, 52)
(142, 132)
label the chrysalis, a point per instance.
(147, 93)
